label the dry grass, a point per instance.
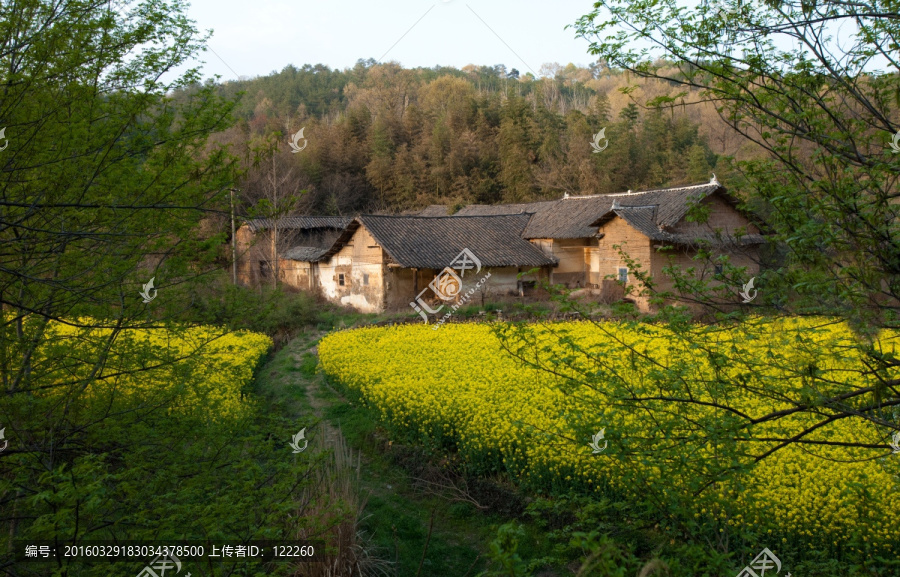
(335, 502)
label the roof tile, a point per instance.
(300, 222)
(434, 242)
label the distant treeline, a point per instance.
(382, 138)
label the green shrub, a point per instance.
(279, 313)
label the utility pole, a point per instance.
(233, 245)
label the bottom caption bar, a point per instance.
(168, 554)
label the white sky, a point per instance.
(257, 37)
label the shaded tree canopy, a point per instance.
(815, 86)
(385, 138)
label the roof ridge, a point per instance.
(453, 216)
(568, 196)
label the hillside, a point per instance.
(382, 138)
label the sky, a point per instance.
(258, 37)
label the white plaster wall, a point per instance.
(327, 284)
(360, 303)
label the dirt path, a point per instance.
(402, 531)
(331, 434)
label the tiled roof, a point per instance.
(434, 242)
(580, 216)
(567, 218)
(499, 209)
(304, 253)
(300, 222)
(434, 210)
(645, 218)
(672, 203)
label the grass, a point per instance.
(396, 522)
(398, 517)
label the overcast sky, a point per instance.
(257, 37)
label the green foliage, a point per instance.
(274, 311)
(504, 553)
(818, 116)
(603, 556)
(124, 160)
(106, 178)
(149, 471)
(393, 139)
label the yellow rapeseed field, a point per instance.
(199, 369)
(459, 386)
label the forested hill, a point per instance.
(382, 138)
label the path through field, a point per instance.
(397, 522)
(314, 389)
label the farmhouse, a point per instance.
(259, 240)
(562, 229)
(386, 262)
(376, 263)
(588, 234)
